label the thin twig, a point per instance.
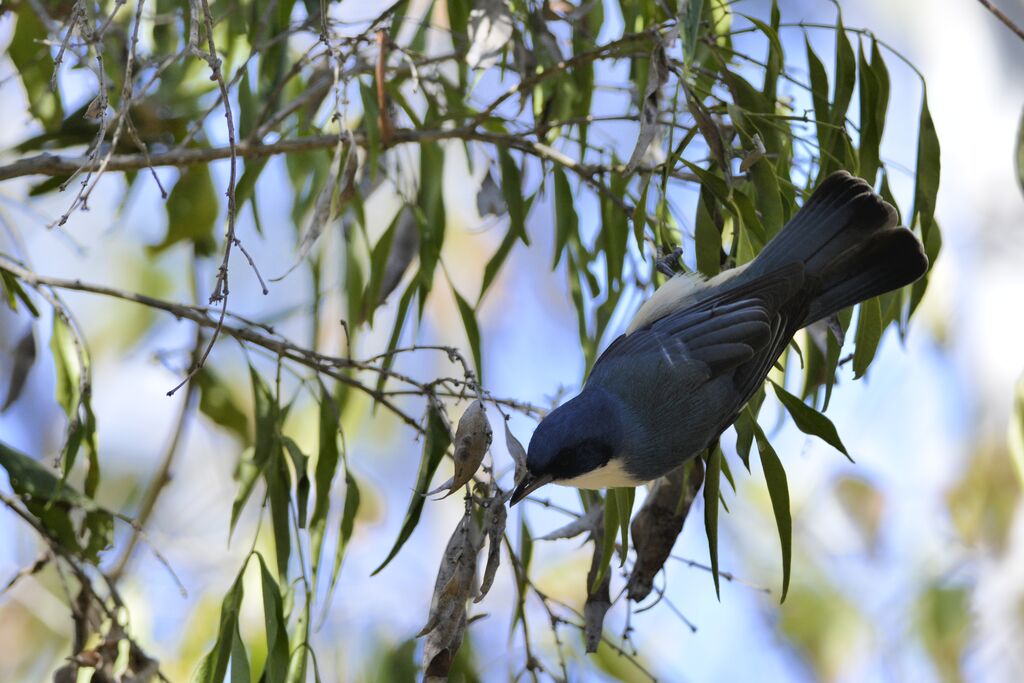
(1003, 18)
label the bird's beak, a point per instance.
(528, 485)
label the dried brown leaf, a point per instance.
(455, 576)
(494, 523)
(518, 453)
(658, 523)
(650, 108)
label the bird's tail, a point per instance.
(849, 242)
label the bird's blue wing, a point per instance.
(730, 340)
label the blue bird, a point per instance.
(698, 349)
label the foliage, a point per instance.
(706, 101)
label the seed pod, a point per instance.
(472, 439)
(518, 453)
(494, 523)
(658, 523)
(455, 576)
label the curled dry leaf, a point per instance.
(650, 108)
(592, 521)
(490, 29)
(404, 247)
(658, 523)
(454, 585)
(339, 187)
(598, 601)
(518, 453)
(754, 155)
(494, 525)
(708, 128)
(472, 439)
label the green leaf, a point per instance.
(707, 235)
(639, 217)
(810, 421)
(881, 72)
(396, 333)
(300, 462)
(192, 209)
(608, 536)
(711, 485)
(326, 465)
(870, 125)
(30, 52)
(1016, 432)
(378, 267)
(494, 265)
(614, 233)
(240, 672)
(348, 520)
(744, 426)
(69, 371)
(624, 505)
(512, 190)
(215, 664)
(266, 443)
(778, 491)
(776, 58)
(691, 29)
(566, 220)
(434, 447)
(819, 96)
(846, 74)
(15, 292)
(869, 333)
(217, 402)
(926, 175)
(370, 125)
(52, 500)
(926, 189)
(276, 666)
(472, 331)
(279, 484)
(769, 198)
(431, 213)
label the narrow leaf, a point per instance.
(778, 491)
(436, 443)
(276, 666)
(472, 331)
(566, 221)
(711, 484)
(215, 664)
(810, 421)
(869, 333)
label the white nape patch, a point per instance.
(611, 474)
(674, 294)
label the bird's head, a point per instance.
(576, 438)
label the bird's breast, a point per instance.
(610, 475)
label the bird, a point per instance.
(699, 349)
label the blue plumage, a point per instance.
(698, 350)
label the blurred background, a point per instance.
(907, 566)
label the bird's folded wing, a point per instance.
(739, 328)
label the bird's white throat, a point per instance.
(610, 475)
